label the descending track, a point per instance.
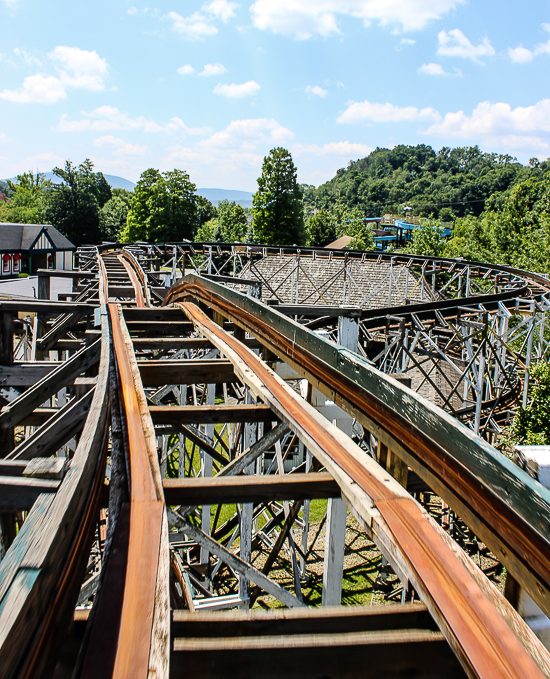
(139, 354)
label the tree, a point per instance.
(277, 205)
(163, 209)
(428, 240)
(27, 204)
(205, 210)
(74, 205)
(206, 232)
(232, 220)
(531, 425)
(352, 223)
(321, 229)
(114, 213)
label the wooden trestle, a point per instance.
(95, 504)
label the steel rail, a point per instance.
(448, 456)
(486, 646)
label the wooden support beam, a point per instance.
(330, 620)
(190, 371)
(412, 653)
(230, 489)
(237, 564)
(153, 328)
(160, 343)
(152, 314)
(68, 321)
(6, 337)
(65, 273)
(62, 375)
(46, 307)
(18, 493)
(26, 374)
(210, 414)
(56, 431)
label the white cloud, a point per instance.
(495, 120)
(200, 25)
(316, 90)
(76, 68)
(37, 89)
(340, 149)
(247, 135)
(186, 70)
(221, 9)
(213, 69)
(305, 18)
(407, 41)
(231, 157)
(193, 27)
(455, 44)
(107, 118)
(120, 147)
(80, 68)
(27, 58)
(366, 111)
(520, 55)
(524, 129)
(437, 69)
(234, 91)
(132, 10)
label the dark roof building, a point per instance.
(28, 247)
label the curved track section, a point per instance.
(138, 401)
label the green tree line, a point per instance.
(498, 206)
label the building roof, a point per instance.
(341, 243)
(25, 237)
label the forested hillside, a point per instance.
(445, 184)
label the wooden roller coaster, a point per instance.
(133, 415)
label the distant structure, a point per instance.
(24, 248)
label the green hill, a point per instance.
(446, 184)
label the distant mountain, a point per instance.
(243, 198)
(114, 181)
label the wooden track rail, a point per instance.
(146, 620)
(505, 506)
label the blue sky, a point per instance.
(210, 87)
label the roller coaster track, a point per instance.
(139, 625)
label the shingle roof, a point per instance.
(368, 284)
(20, 237)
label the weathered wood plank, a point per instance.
(210, 414)
(18, 493)
(55, 432)
(65, 373)
(286, 621)
(26, 374)
(190, 371)
(385, 655)
(230, 489)
(46, 307)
